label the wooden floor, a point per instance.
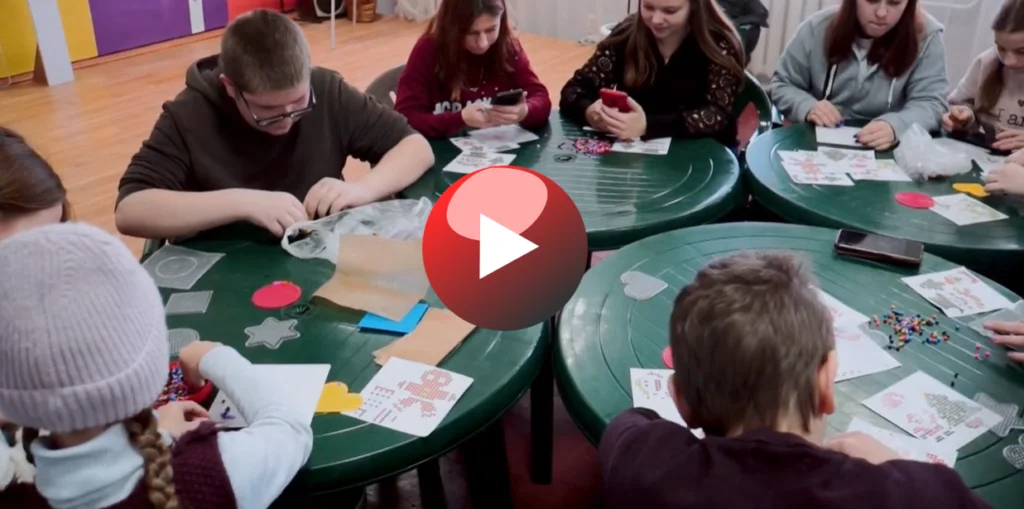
(89, 129)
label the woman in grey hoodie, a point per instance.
(870, 60)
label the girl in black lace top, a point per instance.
(680, 62)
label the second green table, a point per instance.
(622, 197)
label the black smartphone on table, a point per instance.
(508, 98)
(879, 248)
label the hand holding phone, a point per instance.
(615, 99)
(879, 248)
(508, 98)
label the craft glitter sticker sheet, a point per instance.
(410, 397)
(957, 292)
(932, 411)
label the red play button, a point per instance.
(504, 248)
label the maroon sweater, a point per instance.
(647, 461)
(200, 479)
(430, 107)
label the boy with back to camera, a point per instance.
(755, 364)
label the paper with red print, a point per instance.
(909, 448)
(410, 397)
(933, 411)
(860, 355)
(650, 391)
(958, 292)
(880, 169)
(813, 168)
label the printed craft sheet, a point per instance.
(932, 411)
(504, 134)
(859, 355)
(816, 172)
(469, 162)
(658, 146)
(842, 136)
(843, 316)
(473, 145)
(650, 391)
(909, 448)
(957, 292)
(965, 210)
(410, 397)
(879, 169)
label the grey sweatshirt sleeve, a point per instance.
(791, 83)
(927, 87)
(261, 459)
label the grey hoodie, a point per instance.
(860, 90)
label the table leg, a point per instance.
(431, 487)
(542, 416)
(486, 464)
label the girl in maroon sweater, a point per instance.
(467, 56)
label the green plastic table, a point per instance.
(994, 248)
(622, 197)
(349, 453)
(603, 334)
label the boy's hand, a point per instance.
(331, 195)
(860, 445)
(190, 357)
(180, 417)
(273, 211)
(878, 135)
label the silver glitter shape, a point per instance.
(1015, 453)
(180, 338)
(271, 333)
(188, 303)
(1008, 411)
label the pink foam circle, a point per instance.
(512, 197)
(666, 357)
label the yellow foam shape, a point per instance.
(976, 190)
(336, 399)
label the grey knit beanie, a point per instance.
(83, 337)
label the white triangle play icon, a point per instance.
(499, 246)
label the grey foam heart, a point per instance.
(641, 286)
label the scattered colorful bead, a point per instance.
(175, 389)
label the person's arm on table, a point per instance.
(791, 83)
(926, 92)
(538, 103)
(260, 459)
(384, 139)
(713, 117)
(413, 97)
(153, 201)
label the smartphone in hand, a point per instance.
(508, 98)
(615, 99)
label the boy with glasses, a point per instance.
(261, 135)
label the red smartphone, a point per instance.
(615, 99)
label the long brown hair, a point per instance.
(706, 21)
(27, 182)
(156, 457)
(1010, 18)
(449, 27)
(894, 53)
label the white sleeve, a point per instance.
(261, 459)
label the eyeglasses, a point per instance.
(294, 115)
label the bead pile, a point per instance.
(591, 146)
(906, 328)
(909, 327)
(175, 390)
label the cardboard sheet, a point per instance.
(382, 276)
(438, 333)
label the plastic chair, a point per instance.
(151, 246)
(384, 85)
(754, 93)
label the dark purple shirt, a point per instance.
(649, 462)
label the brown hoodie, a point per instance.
(201, 142)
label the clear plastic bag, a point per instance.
(922, 157)
(393, 219)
